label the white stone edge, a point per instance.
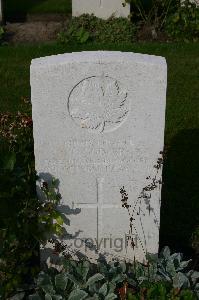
(97, 56)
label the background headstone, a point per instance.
(98, 127)
(100, 8)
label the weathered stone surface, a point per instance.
(98, 126)
(100, 8)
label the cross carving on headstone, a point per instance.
(99, 205)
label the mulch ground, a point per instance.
(39, 28)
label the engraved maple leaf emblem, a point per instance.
(98, 103)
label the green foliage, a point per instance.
(2, 32)
(24, 221)
(78, 280)
(179, 20)
(155, 15)
(78, 34)
(161, 291)
(195, 240)
(163, 277)
(90, 28)
(184, 23)
(17, 192)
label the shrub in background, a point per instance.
(183, 24)
(195, 246)
(24, 221)
(154, 15)
(2, 33)
(178, 19)
(195, 240)
(90, 28)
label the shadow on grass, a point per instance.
(16, 11)
(180, 192)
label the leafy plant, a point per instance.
(195, 240)
(163, 277)
(183, 24)
(78, 280)
(78, 34)
(154, 16)
(90, 28)
(2, 33)
(30, 221)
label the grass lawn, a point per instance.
(22, 7)
(180, 196)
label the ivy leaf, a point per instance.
(123, 266)
(9, 161)
(57, 297)
(77, 295)
(48, 289)
(48, 297)
(103, 268)
(184, 264)
(59, 220)
(112, 287)
(110, 296)
(45, 283)
(94, 297)
(170, 268)
(176, 18)
(61, 281)
(194, 276)
(118, 278)
(180, 280)
(43, 279)
(83, 269)
(166, 252)
(94, 279)
(103, 290)
(73, 279)
(84, 37)
(18, 296)
(35, 297)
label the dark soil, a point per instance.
(32, 31)
(36, 28)
(147, 33)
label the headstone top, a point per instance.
(90, 56)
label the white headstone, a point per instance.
(98, 127)
(100, 8)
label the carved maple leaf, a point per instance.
(98, 102)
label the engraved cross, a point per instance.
(99, 205)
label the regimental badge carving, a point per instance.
(98, 103)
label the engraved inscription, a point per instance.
(98, 103)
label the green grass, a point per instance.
(22, 7)
(52, 6)
(180, 196)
